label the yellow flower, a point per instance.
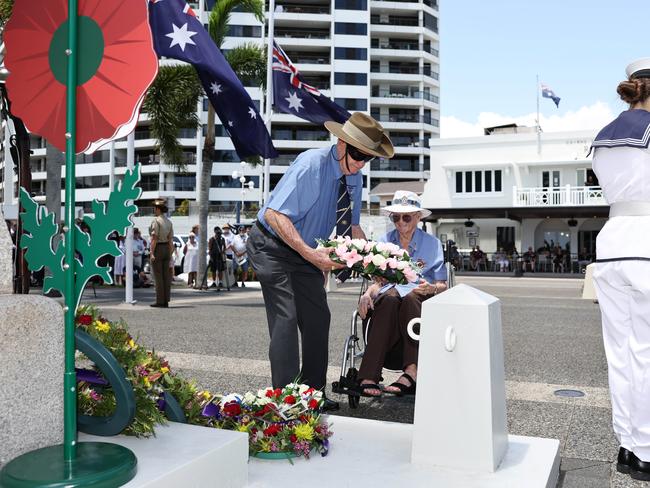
(304, 432)
(242, 428)
(207, 395)
(132, 344)
(164, 370)
(102, 326)
(146, 381)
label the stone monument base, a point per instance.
(377, 454)
(184, 455)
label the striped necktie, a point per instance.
(343, 220)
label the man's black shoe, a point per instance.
(639, 470)
(213, 285)
(623, 461)
(329, 405)
(158, 305)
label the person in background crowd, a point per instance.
(501, 260)
(120, 262)
(161, 231)
(621, 163)
(229, 238)
(241, 256)
(191, 261)
(530, 259)
(138, 250)
(217, 252)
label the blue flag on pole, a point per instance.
(548, 93)
(178, 34)
(293, 96)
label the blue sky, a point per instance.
(491, 51)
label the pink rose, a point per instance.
(392, 263)
(368, 259)
(341, 251)
(410, 275)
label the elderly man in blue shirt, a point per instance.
(321, 190)
(395, 305)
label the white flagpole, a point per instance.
(539, 128)
(199, 137)
(269, 98)
(128, 248)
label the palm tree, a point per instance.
(250, 62)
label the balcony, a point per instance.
(394, 20)
(568, 196)
(405, 94)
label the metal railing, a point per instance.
(411, 94)
(302, 9)
(302, 34)
(404, 70)
(558, 196)
(394, 20)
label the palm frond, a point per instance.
(6, 6)
(219, 21)
(248, 61)
(171, 104)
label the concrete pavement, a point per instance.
(552, 340)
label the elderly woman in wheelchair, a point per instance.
(393, 306)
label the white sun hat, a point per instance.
(638, 69)
(406, 202)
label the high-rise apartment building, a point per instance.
(376, 56)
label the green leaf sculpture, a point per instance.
(40, 225)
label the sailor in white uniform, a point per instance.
(622, 276)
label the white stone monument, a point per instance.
(460, 406)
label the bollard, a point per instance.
(588, 290)
(460, 405)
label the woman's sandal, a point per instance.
(403, 389)
(361, 389)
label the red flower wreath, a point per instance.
(116, 65)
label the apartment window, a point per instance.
(351, 78)
(245, 31)
(430, 22)
(350, 28)
(92, 182)
(352, 4)
(226, 156)
(485, 181)
(184, 182)
(353, 103)
(357, 53)
(506, 238)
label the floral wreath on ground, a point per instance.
(373, 259)
(282, 420)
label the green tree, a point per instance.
(247, 62)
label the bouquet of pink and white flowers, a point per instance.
(373, 259)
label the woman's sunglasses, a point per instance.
(405, 217)
(357, 155)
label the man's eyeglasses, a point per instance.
(405, 217)
(357, 155)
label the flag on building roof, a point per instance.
(293, 96)
(548, 93)
(179, 34)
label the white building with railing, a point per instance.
(511, 189)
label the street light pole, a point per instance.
(242, 179)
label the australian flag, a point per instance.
(179, 34)
(548, 93)
(293, 96)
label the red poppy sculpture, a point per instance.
(116, 65)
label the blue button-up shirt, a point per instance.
(427, 251)
(308, 191)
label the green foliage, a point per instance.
(219, 22)
(171, 104)
(183, 209)
(6, 6)
(89, 246)
(249, 62)
(41, 227)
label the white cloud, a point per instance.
(593, 117)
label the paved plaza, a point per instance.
(552, 340)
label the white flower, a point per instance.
(249, 398)
(401, 265)
(262, 400)
(303, 388)
(233, 397)
(378, 259)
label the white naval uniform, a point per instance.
(623, 290)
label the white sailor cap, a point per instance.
(638, 69)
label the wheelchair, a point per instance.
(355, 345)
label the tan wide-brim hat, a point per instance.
(364, 133)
